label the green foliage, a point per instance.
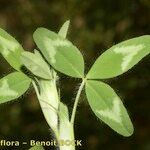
(60, 53)
(120, 58)
(10, 49)
(13, 86)
(63, 56)
(36, 64)
(108, 107)
(64, 29)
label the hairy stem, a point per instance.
(48, 99)
(76, 101)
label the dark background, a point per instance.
(95, 26)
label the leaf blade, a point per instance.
(108, 107)
(10, 49)
(120, 58)
(36, 64)
(64, 29)
(13, 86)
(60, 53)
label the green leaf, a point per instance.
(120, 58)
(108, 107)
(37, 148)
(60, 53)
(13, 86)
(64, 29)
(10, 49)
(36, 64)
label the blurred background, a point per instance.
(95, 26)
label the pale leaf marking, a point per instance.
(114, 113)
(128, 52)
(5, 89)
(51, 44)
(8, 46)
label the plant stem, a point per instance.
(76, 101)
